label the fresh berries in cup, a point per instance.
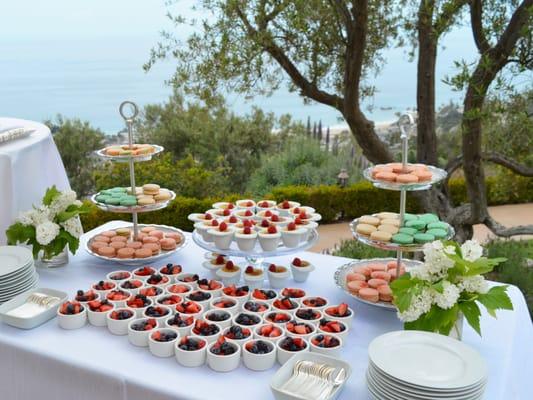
(331, 326)
(285, 303)
(264, 294)
(308, 314)
(224, 303)
(144, 271)
(89, 295)
(151, 291)
(259, 347)
(104, 285)
(99, 305)
(178, 289)
(189, 278)
(292, 344)
(157, 311)
(121, 314)
(278, 317)
(119, 275)
(180, 321)
(202, 328)
(217, 316)
(269, 331)
(144, 325)
(223, 348)
(170, 300)
(71, 308)
(118, 295)
(299, 328)
(247, 319)
(210, 284)
(171, 269)
(256, 306)
(191, 344)
(164, 336)
(293, 293)
(340, 311)
(237, 332)
(325, 341)
(131, 284)
(188, 307)
(138, 301)
(157, 279)
(199, 296)
(314, 302)
(235, 291)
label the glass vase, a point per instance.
(58, 260)
(457, 329)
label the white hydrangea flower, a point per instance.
(26, 218)
(46, 232)
(473, 284)
(471, 250)
(420, 304)
(448, 297)
(73, 226)
(436, 260)
(64, 200)
(35, 217)
(78, 203)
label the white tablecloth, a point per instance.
(90, 363)
(28, 166)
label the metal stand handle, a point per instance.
(129, 110)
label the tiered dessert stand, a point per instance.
(129, 111)
(406, 121)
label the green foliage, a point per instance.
(301, 161)
(357, 250)
(435, 320)
(404, 288)
(76, 141)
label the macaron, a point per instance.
(375, 282)
(355, 276)
(381, 275)
(369, 294)
(119, 239)
(134, 245)
(406, 178)
(151, 188)
(391, 221)
(109, 234)
(416, 223)
(370, 220)
(409, 217)
(402, 238)
(365, 229)
(163, 195)
(386, 176)
(167, 244)
(101, 238)
(408, 231)
(377, 267)
(438, 233)
(438, 225)
(381, 236)
(125, 252)
(422, 175)
(123, 232)
(143, 253)
(145, 201)
(147, 229)
(157, 233)
(387, 215)
(385, 293)
(107, 251)
(388, 228)
(423, 237)
(95, 245)
(356, 286)
(429, 218)
(150, 239)
(128, 202)
(153, 247)
(117, 245)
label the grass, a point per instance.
(514, 271)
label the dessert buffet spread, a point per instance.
(205, 321)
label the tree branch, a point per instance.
(503, 231)
(496, 158)
(476, 20)
(443, 20)
(264, 39)
(344, 12)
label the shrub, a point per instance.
(357, 250)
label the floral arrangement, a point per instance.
(432, 296)
(51, 226)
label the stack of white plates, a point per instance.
(17, 272)
(414, 365)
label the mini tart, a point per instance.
(279, 221)
(265, 204)
(295, 211)
(245, 203)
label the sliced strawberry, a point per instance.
(342, 310)
(266, 330)
(300, 329)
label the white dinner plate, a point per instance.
(13, 258)
(19, 288)
(21, 276)
(427, 359)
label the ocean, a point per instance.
(88, 78)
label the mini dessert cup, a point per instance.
(104, 287)
(243, 214)
(213, 287)
(204, 227)
(139, 329)
(180, 289)
(223, 356)
(118, 276)
(72, 315)
(237, 334)
(330, 326)
(151, 292)
(279, 318)
(131, 285)
(341, 313)
(301, 269)
(259, 355)
(189, 279)
(218, 317)
(97, 312)
(247, 320)
(189, 309)
(161, 342)
(219, 213)
(222, 235)
(265, 295)
(158, 312)
(158, 280)
(214, 264)
(263, 205)
(278, 276)
(309, 226)
(206, 329)
(200, 297)
(265, 214)
(253, 277)
(229, 274)
(143, 273)
(269, 238)
(284, 304)
(256, 307)
(118, 297)
(245, 238)
(169, 300)
(86, 297)
(191, 351)
(329, 345)
(246, 204)
(269, 332)
(138, 304)
(309, 315)
(118, 320)
(225, 303)
(295, 294)
(288, 346)
(302, 330)
(181, 323)
(199, 217)
(171, 270)
(284, 207)
(291, 236)
(296, 211)
(223, 205)
(314, 302)
(240, 294)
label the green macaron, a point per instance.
(409, 217)
(416, 223)
(114, 201)
(438, 225)
(102, 198)
(429, 218)
(408, 231)
(438, 233)
(128, 202)
(402, 238)
(424, 237)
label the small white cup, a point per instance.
(239, 299)
(342, 334)
(222, 363)
(162, 349)
(139, 311)
(309, 302)
(193, 284)
(133, 290)
(219, 312)
(259, 362)
(300, 274)
(278, 280)
(291, 311)
(239, 342)
(209, 338)
(139, 338)
(345, 320)
(119, 326)
(103, 293)
(258, 320)
(256, 303)
(232, 310)
(272, 339)
(285, 355)
(203, 303)
(97, 318)
(186, 314)
(119, 303)
(159, 319)
(127, 275)
(143, 278)
(328, 351)
(213, 292)
(172, 289)
(291, 293)
(191, 358)
(314, 321)
(312, 331)
(269, 301)
(267, 318)
(72, 321)
(182, 330)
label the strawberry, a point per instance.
(156, 335)
(272, 230)
(266, 330)
(233, 219)
(298, 221)
(247, 230)
(272, 268)
(249, 204)
(263, 204)
(230, 266)
(248, 213)
(247, 223)
(289, 326)
(299, 342)
(291, 226)
(303, 215)
(214, 222)
(296, 210)
(342, 310)
(223, 227)
(226, 212)
(249, 270)
(219, 260)
(230, 206)
(274, 218)
(258, 294)
(268, 213)
(265, 223)
(285, 205)
(287, 304)
(208, 216)
(300, 329)
(297, 262)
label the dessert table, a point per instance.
(91, 363)
(28, 166)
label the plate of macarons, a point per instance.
(146, 198)
(152, 243)
(384, 230)
(368, 280)
(125, 152)
(396, 176)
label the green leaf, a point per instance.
(435, 320)
(72, 211)
(438, 286)
(403, 290)
(19, 233)
(496, 299)
(50, 195)
(471, 312)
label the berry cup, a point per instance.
(139, 303)
(118, 297)
(206, 330)
(315, 302)
(85, 297)
(143, 273)
(247, 320)
(104, 287)
(285, 304)
(158, 312)
(237, 334)
(180, 323)
(269, 332)
(189, 309)
(302, 330)
(97, 312)
(191, 351)
(218, 317)
(224, 303)
(223, 356)
(259, 355)
(239, 294)
(308, 315)
(72, 315)
(169, 300)
(289, 346)
(264, 295)
(119, 319)
(329, 345)
(295, 294)
(213, 287)
(256, 307)
(341, 313)
(180, 288)
(171, 270)
(279, 318)
(139, 329)
(131, 285)
(200, 297)
(158, 280)
(161, 342)
(333, 327)
(118, 276)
